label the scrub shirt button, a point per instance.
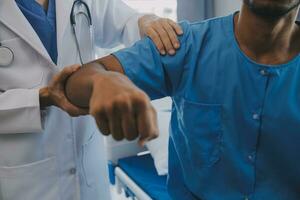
(263, 72)
(256, 116)
(72, 171)
(251, 158)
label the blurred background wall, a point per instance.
(192, 10)
(225, 7)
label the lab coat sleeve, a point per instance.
(114, 23)
(20, 111)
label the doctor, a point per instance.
(44, 153)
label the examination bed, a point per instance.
(138, 178)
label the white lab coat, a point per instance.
(47, 155)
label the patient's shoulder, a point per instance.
(197, 32)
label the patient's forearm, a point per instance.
(79, 87)
(118, 106)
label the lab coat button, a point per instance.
(73, 171)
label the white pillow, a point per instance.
(159, 147)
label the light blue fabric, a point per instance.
(235, 123)
(43, 22)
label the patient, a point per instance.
(235, 85)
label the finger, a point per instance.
(172, 35)
(129, 125)
(115, 126)
(164, 37)
(102, 124)
(157, 41)
(176, 27)
(101, 119)
(147, 125)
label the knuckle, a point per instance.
(96, 110)
(109, 108)
(163, 34)
(122, 101)
(141, 100)
(161, 48)
(131, 137)
(103, 130)
(155, 37)
(118, 137)
(73, 114)
(155, 135)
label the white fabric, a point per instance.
(159, 147)
(47, 154)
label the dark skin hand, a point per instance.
(54, 95)
(120, 109)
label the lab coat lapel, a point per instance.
(13, 18)
(63, 10)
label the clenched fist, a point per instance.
(121, 109)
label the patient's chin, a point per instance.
(271, 8)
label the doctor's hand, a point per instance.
(121, 109)
(164, 33)
(54, 93)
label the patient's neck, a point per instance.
(43, 3)
(268, 41)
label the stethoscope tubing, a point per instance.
(7, 53)
(73, 15)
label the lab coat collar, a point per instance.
(12, 17)
(63, 10)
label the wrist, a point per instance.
(105, 78)
(99, 78)
(45, 99)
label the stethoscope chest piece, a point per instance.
(6, 56)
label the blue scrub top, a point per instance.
(235, 126)
(43, 22)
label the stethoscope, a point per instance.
(7, 54)
(87, 14)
